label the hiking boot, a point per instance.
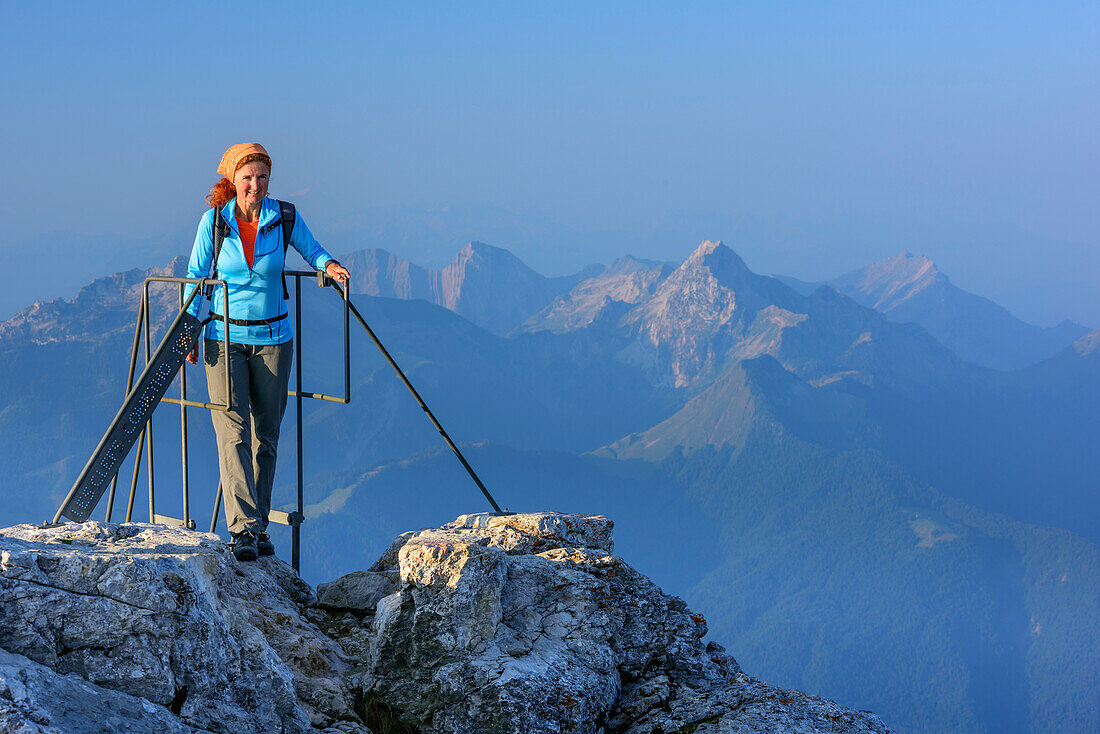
(244, 546)
(264, 545)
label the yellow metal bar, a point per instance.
(193, 404)
(319, 396)
(173, 521)
(283, 518)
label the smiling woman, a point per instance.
(233, 161)
(251, 261)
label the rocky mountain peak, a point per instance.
(886, 284)
(473, 268)
(911, 288)
(478, 257)
(608, 292)
(716, 256)
(105, 304)
(628, 264)
(696, 314)
(1088, 344)
(479, 252)
(485, 284)
(489, 624)
(715, 263)
(378, 272)
(707, 247)
(492, 287)
(906, 263)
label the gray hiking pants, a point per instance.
(248, 434)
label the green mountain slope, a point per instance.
(845, 574)
(845, 577)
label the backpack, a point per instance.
(221, 229)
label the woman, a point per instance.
(251, 262)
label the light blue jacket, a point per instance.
(256, 292)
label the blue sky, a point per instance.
(811, 137)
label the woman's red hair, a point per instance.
(224, 190)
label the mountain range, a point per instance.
(860, 510)
(487, 285)
(910, 288)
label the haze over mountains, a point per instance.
(847, 498)
(910, 288)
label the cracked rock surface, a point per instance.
(169, 617)
(491, 624)
(530, 623)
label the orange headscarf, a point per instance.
(228, 166)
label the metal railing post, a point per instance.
(347, 344)
(149, 424)
(217, 509)
(183, 429)
(134, 478)
(296, 528)
(129, 387)
(184, 403)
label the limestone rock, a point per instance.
(169, 616)
(358, 591)
(34, 698)
(499, 624)
(528, 623)
(535, 532)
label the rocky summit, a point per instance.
(514, 623)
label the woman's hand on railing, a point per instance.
(337, 272)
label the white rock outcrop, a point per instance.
(168, 616)
(519, 623)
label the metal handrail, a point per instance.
(293, 519)
(146, 437)
(424, 406)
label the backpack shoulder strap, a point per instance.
(287, 214)
(218, 227)
(286, 210)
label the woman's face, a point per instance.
(251, 182)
